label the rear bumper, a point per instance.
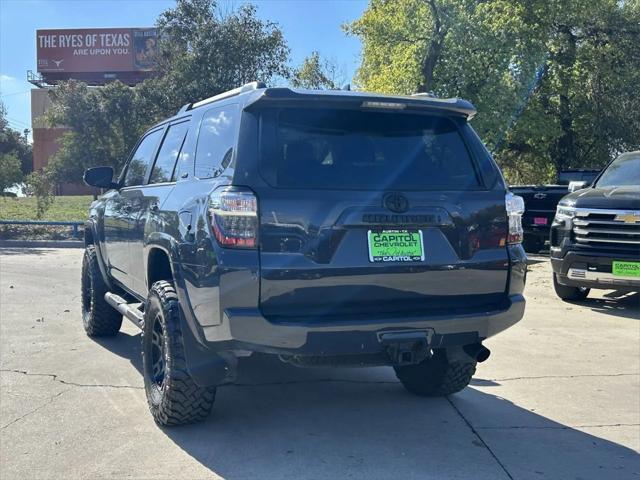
(591, 270)
(247, 329)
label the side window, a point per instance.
(141, 159)
(216, 140)
(168, 154)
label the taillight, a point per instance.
(233, 213)
(515, 208)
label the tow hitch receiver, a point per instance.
(407, 347)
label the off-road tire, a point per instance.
(436, 376)
(98, 317)
(176, 399)
(568, 293)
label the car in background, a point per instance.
(540, 203)
(595, 234)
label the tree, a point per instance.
(316, 73)
(104, 125)
(13, 142)
(10, 172)
(451, 48)
(202, 52)
(40, 184)
(553, 81)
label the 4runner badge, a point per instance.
(629, 217)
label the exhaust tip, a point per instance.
(477, 351)
(483, 354)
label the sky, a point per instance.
(307, 25)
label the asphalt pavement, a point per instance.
(558, 399)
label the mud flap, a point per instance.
(207, 368)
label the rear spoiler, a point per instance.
(351, 99)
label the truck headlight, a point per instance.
(564, 212)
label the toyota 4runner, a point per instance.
(325, 227)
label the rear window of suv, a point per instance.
(364, 150)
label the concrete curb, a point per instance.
(41, 244)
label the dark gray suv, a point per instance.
(326, 227)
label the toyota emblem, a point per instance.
(396, 202)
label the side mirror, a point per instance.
(101, 177)
(577, 185)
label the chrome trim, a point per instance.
(608, 240)
(583, 223)
(584, 231)
(601, 277)
(583, 212)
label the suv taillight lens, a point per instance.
(234, 217)
(515, 209)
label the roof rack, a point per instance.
(247, 87)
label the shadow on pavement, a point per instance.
(481, 382)
(283, 422)
(124, 345)
(618, 304)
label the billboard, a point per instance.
(90, 53)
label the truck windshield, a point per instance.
(365, 150)
(624, 171)
(567, 176)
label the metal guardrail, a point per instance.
(74, 225)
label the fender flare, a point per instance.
(205, 366)
(98, 245)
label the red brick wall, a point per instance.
(45, 145)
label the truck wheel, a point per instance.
(566, 292)
(173, 396)
(98, 317)
(532, 244)
(436, 376)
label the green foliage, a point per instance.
(555, 81)
(10, 172)
(201, 53)
(316, 73)
(104, 125)
(40, 185)
(15, 143)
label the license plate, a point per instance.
(395, 246)
(626, 269)
(540, 220)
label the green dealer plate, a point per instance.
(626, 269)
(395, 246)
